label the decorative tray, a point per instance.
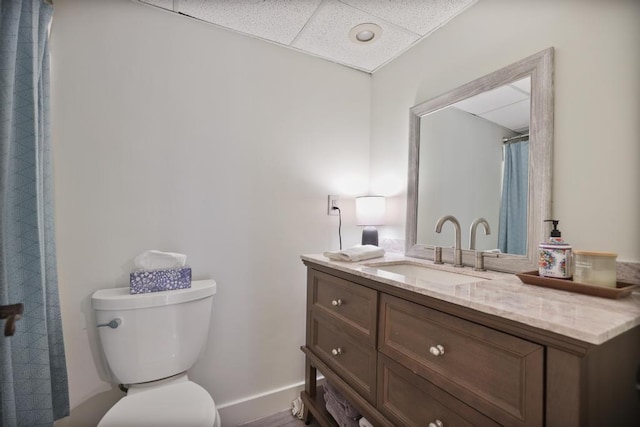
(621, 290)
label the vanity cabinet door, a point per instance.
(493, 372)
(408, 400)
(349, 356)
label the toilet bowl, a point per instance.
(173, 402)
(149, 342)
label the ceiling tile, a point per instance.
(321, 27)
(327, 35)
(491, 100)
(524, 85)
(513, 116)
(275, 20)
(165, 4)
(418, 16)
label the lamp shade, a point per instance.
(370, 210)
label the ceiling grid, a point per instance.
(322, 27)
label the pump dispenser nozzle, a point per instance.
(555, 256)
(555, 232)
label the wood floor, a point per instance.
(280, 419)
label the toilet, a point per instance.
(149, 342)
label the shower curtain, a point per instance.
(33, 374)
(512, 227)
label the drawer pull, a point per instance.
(436, 423)
(336, 351)
(336, 302)
(437, 350)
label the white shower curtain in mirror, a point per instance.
(33, 374)
(512, 228)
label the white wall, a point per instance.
(176, 135)
(172, 134)
(474, 144)
(597, 81)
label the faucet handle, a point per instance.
(480, 255)
(437, 255)
(437, 252)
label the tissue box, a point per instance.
(164, 279)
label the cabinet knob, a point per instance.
(436, 423)
(437, 350)
(336, 351)
(336, 302)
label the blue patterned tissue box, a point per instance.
(165, 279)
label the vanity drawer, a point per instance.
(408, 400)
(349, 356)
(348, 302)
(494, 372)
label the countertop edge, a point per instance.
(551, 310)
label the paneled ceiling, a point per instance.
(509, 106)
(323, 28)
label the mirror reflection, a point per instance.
(482, 153)
(473, 163)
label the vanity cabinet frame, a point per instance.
(583, 384)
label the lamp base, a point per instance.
(370, 236)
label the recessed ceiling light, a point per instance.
(365, 33)
(365, 36)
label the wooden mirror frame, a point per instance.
(540, 67)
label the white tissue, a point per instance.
(152, 260)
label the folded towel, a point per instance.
(297, 408)
(334, 409)
(344, 403)
(152, 260)
(343, 406)
(330, 389)
(356, 253)
(363, 422)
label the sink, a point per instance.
(429, 274)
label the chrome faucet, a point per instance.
(474, 227)
(457, 247)
(479, 255)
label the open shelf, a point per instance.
(316, 406)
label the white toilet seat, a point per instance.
(182, 403)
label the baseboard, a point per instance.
(231, 413)
(259, 405)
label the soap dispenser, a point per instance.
(554, 258)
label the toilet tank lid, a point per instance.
(122, 299)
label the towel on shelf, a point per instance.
(297, 408)
(347, 410)
(330, 393)
(330, 389)
(363, 422)
(356, 253)
(335, 409)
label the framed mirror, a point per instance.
(484, 150)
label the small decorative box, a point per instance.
(165, 279)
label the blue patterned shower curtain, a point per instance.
(512, 227)
(33, 374)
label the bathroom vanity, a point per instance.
(410, 347)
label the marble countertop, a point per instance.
(586, 318)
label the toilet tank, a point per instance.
(159, 334)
